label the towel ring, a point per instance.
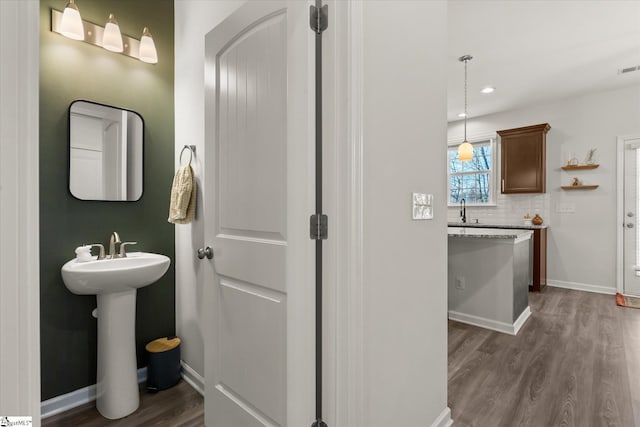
(192, 150)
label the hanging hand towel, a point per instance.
(182, 208)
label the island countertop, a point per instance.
(505, 226)
(489, 233)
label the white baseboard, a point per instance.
(444, 419)
(526, 313)
(583, 287)
(494, 325)
(193, 378)
(87, 394)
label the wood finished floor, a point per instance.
(179, 406)
(576, 362)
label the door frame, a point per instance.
(620, 144)
(344, 394)
(19, 208)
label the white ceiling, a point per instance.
(534, 51)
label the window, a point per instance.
(473, 180)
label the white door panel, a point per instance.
(259, 359)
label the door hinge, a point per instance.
(319, 18)
(319, 227)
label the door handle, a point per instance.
(629, 225)
(205, 252)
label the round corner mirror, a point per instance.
(105, 152)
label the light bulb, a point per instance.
(71, 24)
(148, 51)
(111, 38)
(465, 151)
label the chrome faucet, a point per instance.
(463, 210)
(115, 238)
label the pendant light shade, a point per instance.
(71, 24)
(112, 38)
(148, 51)
(465, 150)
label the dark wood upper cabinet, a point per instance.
(524, 159)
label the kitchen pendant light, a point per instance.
(71, 23)
(465, 150)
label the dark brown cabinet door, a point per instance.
(523, 159)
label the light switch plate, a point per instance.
(565, 208)
(422, 206)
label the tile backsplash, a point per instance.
(510, 209)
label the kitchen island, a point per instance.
(538, 251)
(488, 277)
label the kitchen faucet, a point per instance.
(463, 210)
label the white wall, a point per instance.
(193, 19)
(19, 223)
(405, 261)
(581, 245)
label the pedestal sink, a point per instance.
(114, 282)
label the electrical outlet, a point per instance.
(460, 284)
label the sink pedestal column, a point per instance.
(117, 382)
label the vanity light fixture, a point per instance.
(465, 150)
(147, 51)
(488, 89)
(70, 24)
(112, 38)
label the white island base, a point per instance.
(489, 276)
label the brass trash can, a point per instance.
(163, 370)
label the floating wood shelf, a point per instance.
(578, 167)
(579, 187)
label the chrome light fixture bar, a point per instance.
(94, 33)
(465, 150)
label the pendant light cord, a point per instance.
(465, 99)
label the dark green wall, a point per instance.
(72, 70)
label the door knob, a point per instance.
(205, 252)
(630, 214)
(629, 225)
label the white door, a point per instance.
(259, 333)
(630, 223)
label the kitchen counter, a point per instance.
(539, 253)
(506, 226)
(489, 273)
(489, 233)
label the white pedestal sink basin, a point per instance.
(114, 282)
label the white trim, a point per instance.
(78, 397)
(19, 209)
(620, 214)
(598, 289)
(494, 325)
(192, 378)
(444, 419)
(355, 325)
(520, 321)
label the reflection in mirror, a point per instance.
(105, 152)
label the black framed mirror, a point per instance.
(106, 149)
